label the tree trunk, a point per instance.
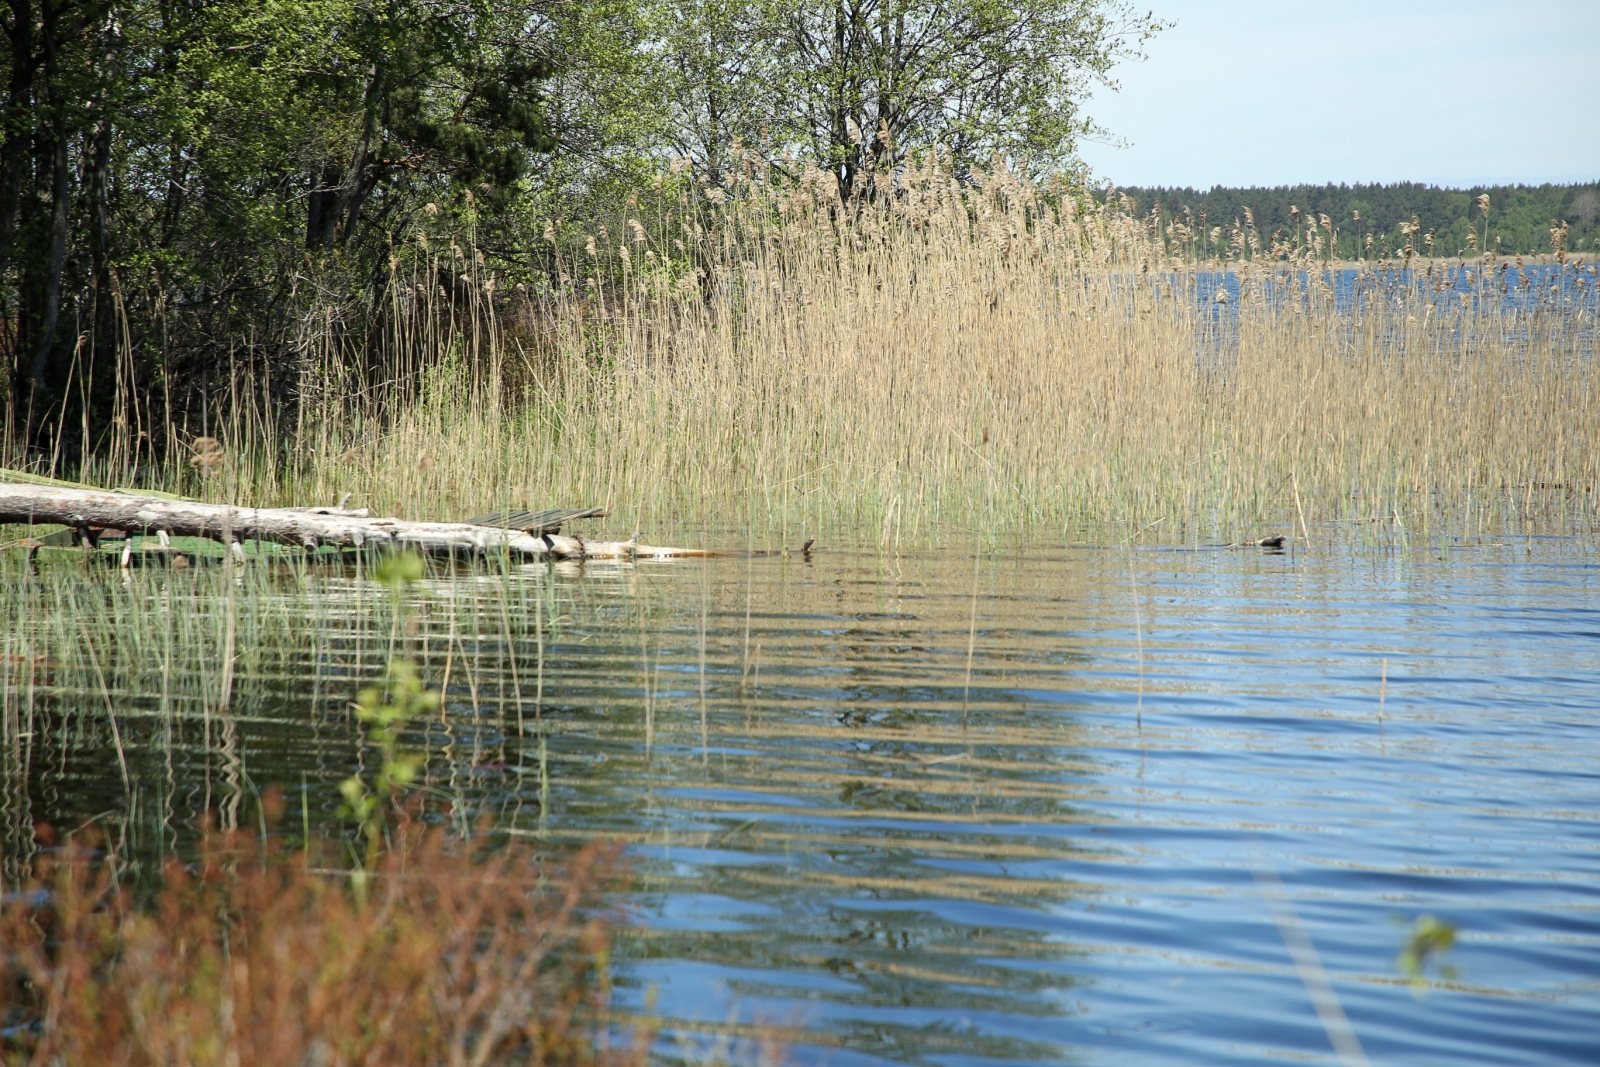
(99, 177)
(306, 527)
(60, 192)
(98, 180)
(839, 119)
(322, 208)
(353, 189)
(17, 131)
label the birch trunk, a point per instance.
(306, 527)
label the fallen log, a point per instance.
(92, 510)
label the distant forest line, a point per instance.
(1519, 220)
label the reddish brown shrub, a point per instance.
(461, 954)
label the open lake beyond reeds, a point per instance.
(1030, 811)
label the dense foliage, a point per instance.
(177, 176)
(186, 185)
(1519, 220)
(860, 85)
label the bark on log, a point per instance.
(306, 527)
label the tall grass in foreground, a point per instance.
(993, 353)
(145, 693)
(454, 945)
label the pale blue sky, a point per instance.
(1248, 92)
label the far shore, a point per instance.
(1415, 263)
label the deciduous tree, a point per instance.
(858, 84)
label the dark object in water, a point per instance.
(78, 535)
(1277, 541)
(536, 522)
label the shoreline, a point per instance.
(1380, 266)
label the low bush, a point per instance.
(465, 951)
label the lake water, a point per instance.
(1510, 305)
(925, 812)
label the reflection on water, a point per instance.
(1044, 853)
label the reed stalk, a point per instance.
(776, 359)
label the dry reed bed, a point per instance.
(997, 354)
